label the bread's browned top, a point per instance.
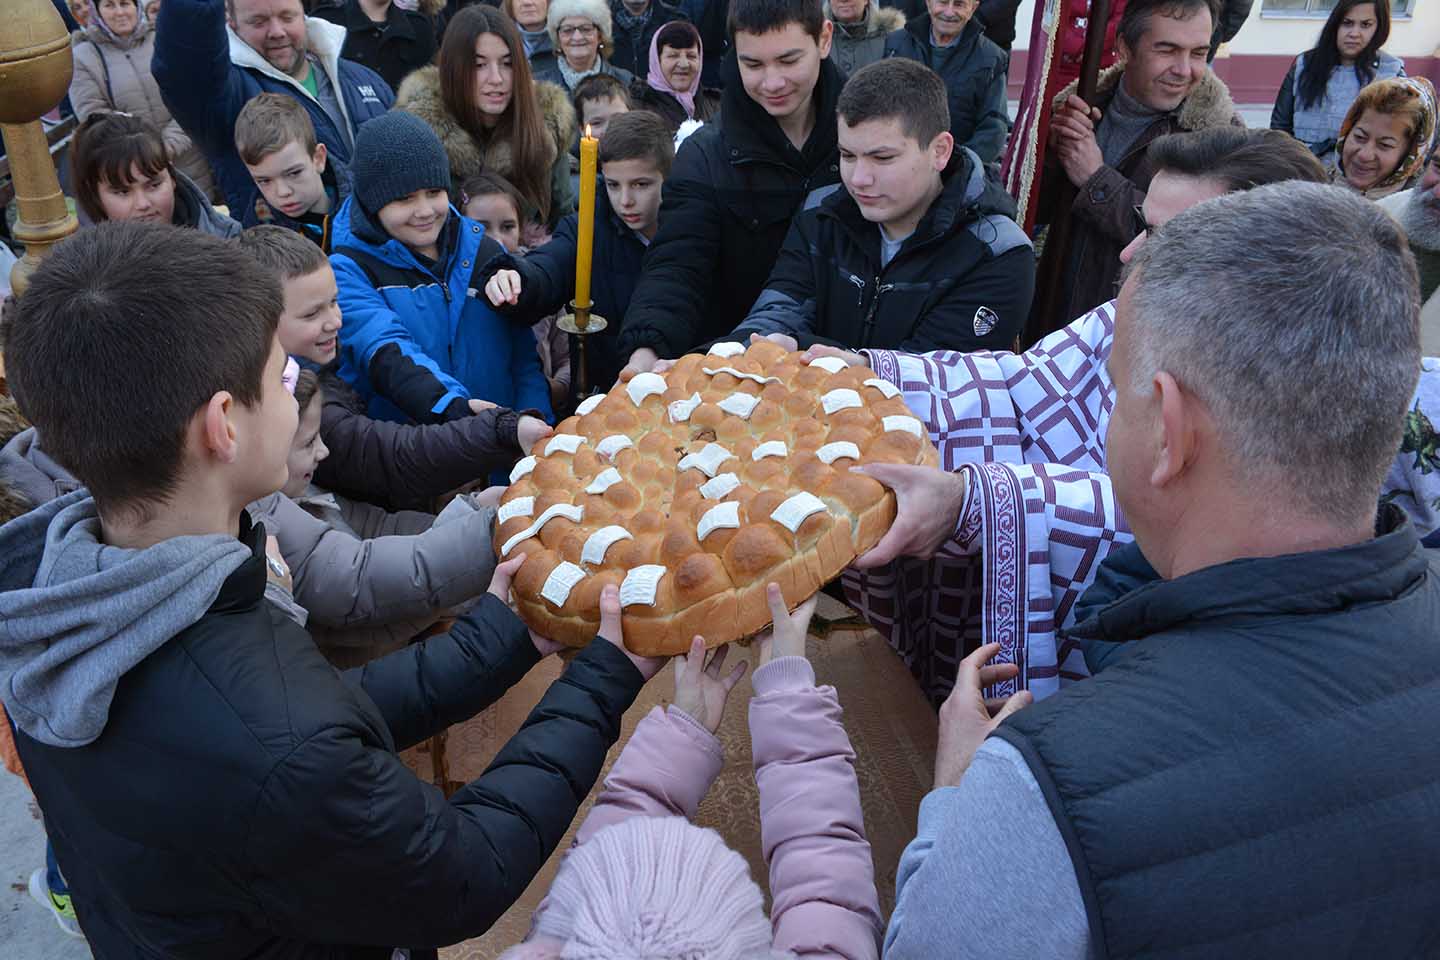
(694, 489)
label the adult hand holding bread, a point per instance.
(927, 508)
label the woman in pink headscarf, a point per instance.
(672, 87)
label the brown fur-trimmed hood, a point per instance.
(420, 94)
(1209, 104)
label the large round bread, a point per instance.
(694, 489)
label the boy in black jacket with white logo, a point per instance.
(918, 252)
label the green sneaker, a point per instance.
(58, 904)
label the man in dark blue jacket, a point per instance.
(947, 40)
(212, 56)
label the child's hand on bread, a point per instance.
(500, 587)
(700, 690)
(786, 637)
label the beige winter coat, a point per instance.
(113, 75)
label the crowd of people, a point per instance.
(1168, 586)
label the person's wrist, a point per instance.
(784, 672)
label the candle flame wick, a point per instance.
(587, 131)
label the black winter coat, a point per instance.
(1274, 719)
(405, 466)
(962, 281)
(630, 49)
(668, 108)
(404, 42)
(974, 75)
(547, 282)
(245, 799)
(727, 205)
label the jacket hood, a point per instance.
(878, 22)
(13, 502)
(193, 209)
(354, 227)
(322, 38)
(420, 94)
(1209, 104)
(77, 615)
(752, 133)
(99, 34)
(30, 472)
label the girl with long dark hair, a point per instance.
(1324, 80)
(492, 116)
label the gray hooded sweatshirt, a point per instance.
(76, 615)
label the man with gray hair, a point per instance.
(1252, 774)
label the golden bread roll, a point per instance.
(694, 489)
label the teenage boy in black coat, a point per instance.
(213, 788)
(918, 252)
(737, 183)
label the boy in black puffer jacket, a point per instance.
(918, 252)
(212, 786)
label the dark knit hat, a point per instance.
(396, 154)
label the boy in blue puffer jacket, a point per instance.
(417, 343)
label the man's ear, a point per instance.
(217, 431)
(1178, 428)
(320, 157)
(827, 34)
(941, 148)
(1122, 50)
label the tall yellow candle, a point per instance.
(585, 241)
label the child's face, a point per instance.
(310, 325)
(143, 198)
(886, 170)
(598, 114)
(307, 449)
(498, 214)
(634, 190)
(290, 179)
(264, 434)
(417, 219)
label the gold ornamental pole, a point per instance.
(35, 70)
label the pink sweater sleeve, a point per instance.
(664, 771)
(822, 880)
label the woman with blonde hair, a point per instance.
(1386, 137)
(492, 115)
